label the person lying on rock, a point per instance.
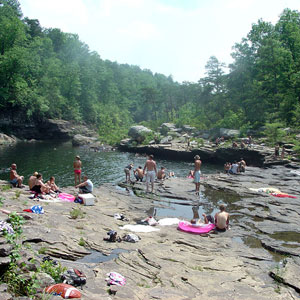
(15, 179)
(86, 186)
(222, 219)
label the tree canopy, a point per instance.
(47, 73)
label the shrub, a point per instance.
(77, 213)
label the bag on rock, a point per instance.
(74, 277)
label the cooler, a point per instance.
(88, 199)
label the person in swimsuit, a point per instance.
(150, 165)
(51, 184)
(32, 180)
(138, 173)
(39, 186)
(127, 170)
(197, 173)
(15, 179)
(77, 169)
(222, 219)
(161, 174)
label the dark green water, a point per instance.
(56, 159)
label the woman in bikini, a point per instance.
(77, 169)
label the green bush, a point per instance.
(54, 270)
(77, 213)
(274, 132)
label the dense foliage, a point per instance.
(46, 73)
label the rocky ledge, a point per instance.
(257, 155)
(168, 264)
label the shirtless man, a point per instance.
(222, 219)
(150, 165)
(197, 173)
(139, 174)
(15, 179)
(161, 173)
(32, 180)
(77, 169)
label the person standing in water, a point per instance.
(150, 165)
(197, 173)
(77, 169)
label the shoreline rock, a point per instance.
(169, 264)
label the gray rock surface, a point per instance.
(138, 133)
(229, 132)
(6, 140)
(170, 264)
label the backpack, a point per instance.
(74, 277)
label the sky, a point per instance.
(172, 37)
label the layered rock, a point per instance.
(169, 264)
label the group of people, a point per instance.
(149, 172)
(235, 167)
(276, 151)
(37, 185)
(221, 219)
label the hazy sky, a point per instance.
(172, 37)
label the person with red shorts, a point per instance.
(77, 169)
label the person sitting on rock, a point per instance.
(86, 186)
(227, 167)
(53, 187)
(234, 144)
(39, 186)
(161, 175)
(222, 219)
(243, 145)
(139, 174)
(234, 168)
(32, 180)
(242, 165)
(15, 179)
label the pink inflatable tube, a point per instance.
(66, 197)
(187, 227)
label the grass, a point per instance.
(43, 250)
(17, 194)
(82, 242)
(5, 187)
(77, 213)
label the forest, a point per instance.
(46, 73)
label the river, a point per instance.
(54, 158)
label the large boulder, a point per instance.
(80, 140)
(188, 128)
(229, 133)
(6, 140)
(138, 133)
(166, 127)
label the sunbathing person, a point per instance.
(32, 180)
(51, 184)
(15, 179)
(39, 186)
